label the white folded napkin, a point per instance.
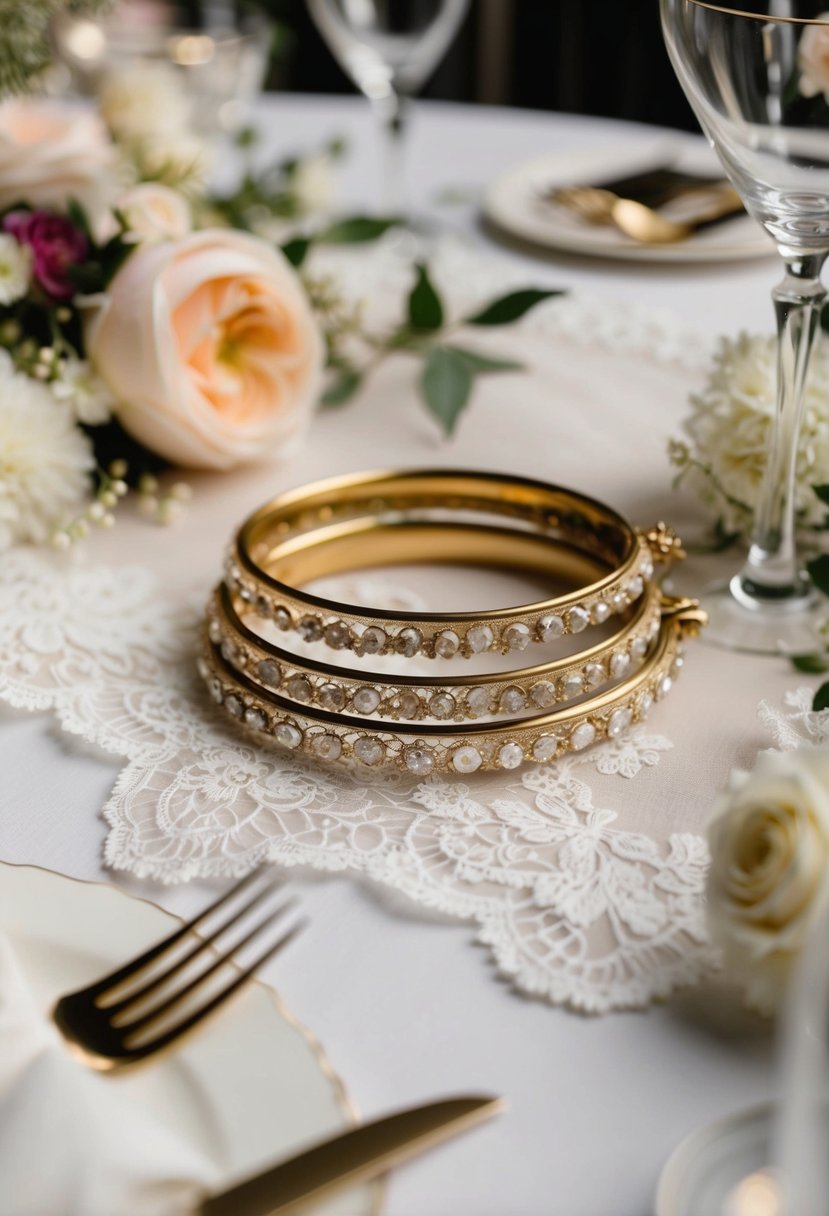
(71, 1141)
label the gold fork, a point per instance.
(150, 1003)
(637, 220)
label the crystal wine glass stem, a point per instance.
(392, 111)
(771, 573)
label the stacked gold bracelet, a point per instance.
(458, 722)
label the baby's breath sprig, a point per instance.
(100, 512)
(162, 506)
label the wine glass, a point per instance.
(389, 48)
(754, 73)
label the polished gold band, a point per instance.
(397, 518)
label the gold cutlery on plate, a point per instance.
(641, 222)
(151, 1002)
(354, 1157)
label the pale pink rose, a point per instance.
(50, 153)
(211, 349)
(813, 59)
(155, 212)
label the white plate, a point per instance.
(251, 1086)
(514, 203)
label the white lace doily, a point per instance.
(585, 878)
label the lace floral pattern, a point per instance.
(573, 907)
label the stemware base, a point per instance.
(722, 1168)
(787, 628)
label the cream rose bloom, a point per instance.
(210, 348)
(155, 212)
(813, 59)
(769, 841)
(50, 153)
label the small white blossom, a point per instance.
(45, 459)
(15, 269)
(313, 184)
(728, 429)
(82, 389)
(142, 100)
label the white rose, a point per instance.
(155, 212)
(210, 347)
(50, 153)
(813, 59)
(769, 841)
(141, 100)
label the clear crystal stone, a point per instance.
(466, 759)
(216, 691)
(230, 651)
(479, 638)
(543, 694)
(263, 606)
(269, 672)
(310, 629)
(245, 593)
(369, 751)
(337, 635)
(572, 686)
(366, 700)
(418, 760)
(618, 601)
(646, 569)
(214, 631)
(298, 688)
(550, 627)
(635, 587)
(677, 665)
(618, 722)
(234, 705)
(577, 619)
(256, 718)
(282, 618)
(582, 736)
(447, 644)
(408, 705)
(202, 667)
(545, 747)
(327, 747)
(512, 700)
(510, 756)
(639, 647)
(233, 574)
(288, 735)
(478, 701)
(594, 674)
(599, 612)
(442, 705)
(664, 687)
(408, 641)
(372, 640)
(516, 636)
(331, 696)
(645, 704)
(619, 663)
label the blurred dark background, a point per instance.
(602, 57)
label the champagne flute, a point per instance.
(753, 73)
(389, 48)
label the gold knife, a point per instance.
(355, 1156)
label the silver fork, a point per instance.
(139, 1009)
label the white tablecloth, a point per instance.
(405, 1008)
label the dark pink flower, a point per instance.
(56, 244)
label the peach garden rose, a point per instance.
(210, 347)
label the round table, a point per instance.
(405, 1007)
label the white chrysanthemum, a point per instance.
(83, 391)
(728, 430)
(313, 184)
(45, 459)
(143, 100)
(15, 269)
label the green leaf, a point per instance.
(425, 307)
(821, 700)
(356, 229)
(486, 363)
(342, 388)
(88, 279)
(296, 250)
(819, 572)
(445, 385)
(811, 664)
(822, 493)
(79, 218)
(511, 307)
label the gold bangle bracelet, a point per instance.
(290, 534)
(412, 697)
(423, 749)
